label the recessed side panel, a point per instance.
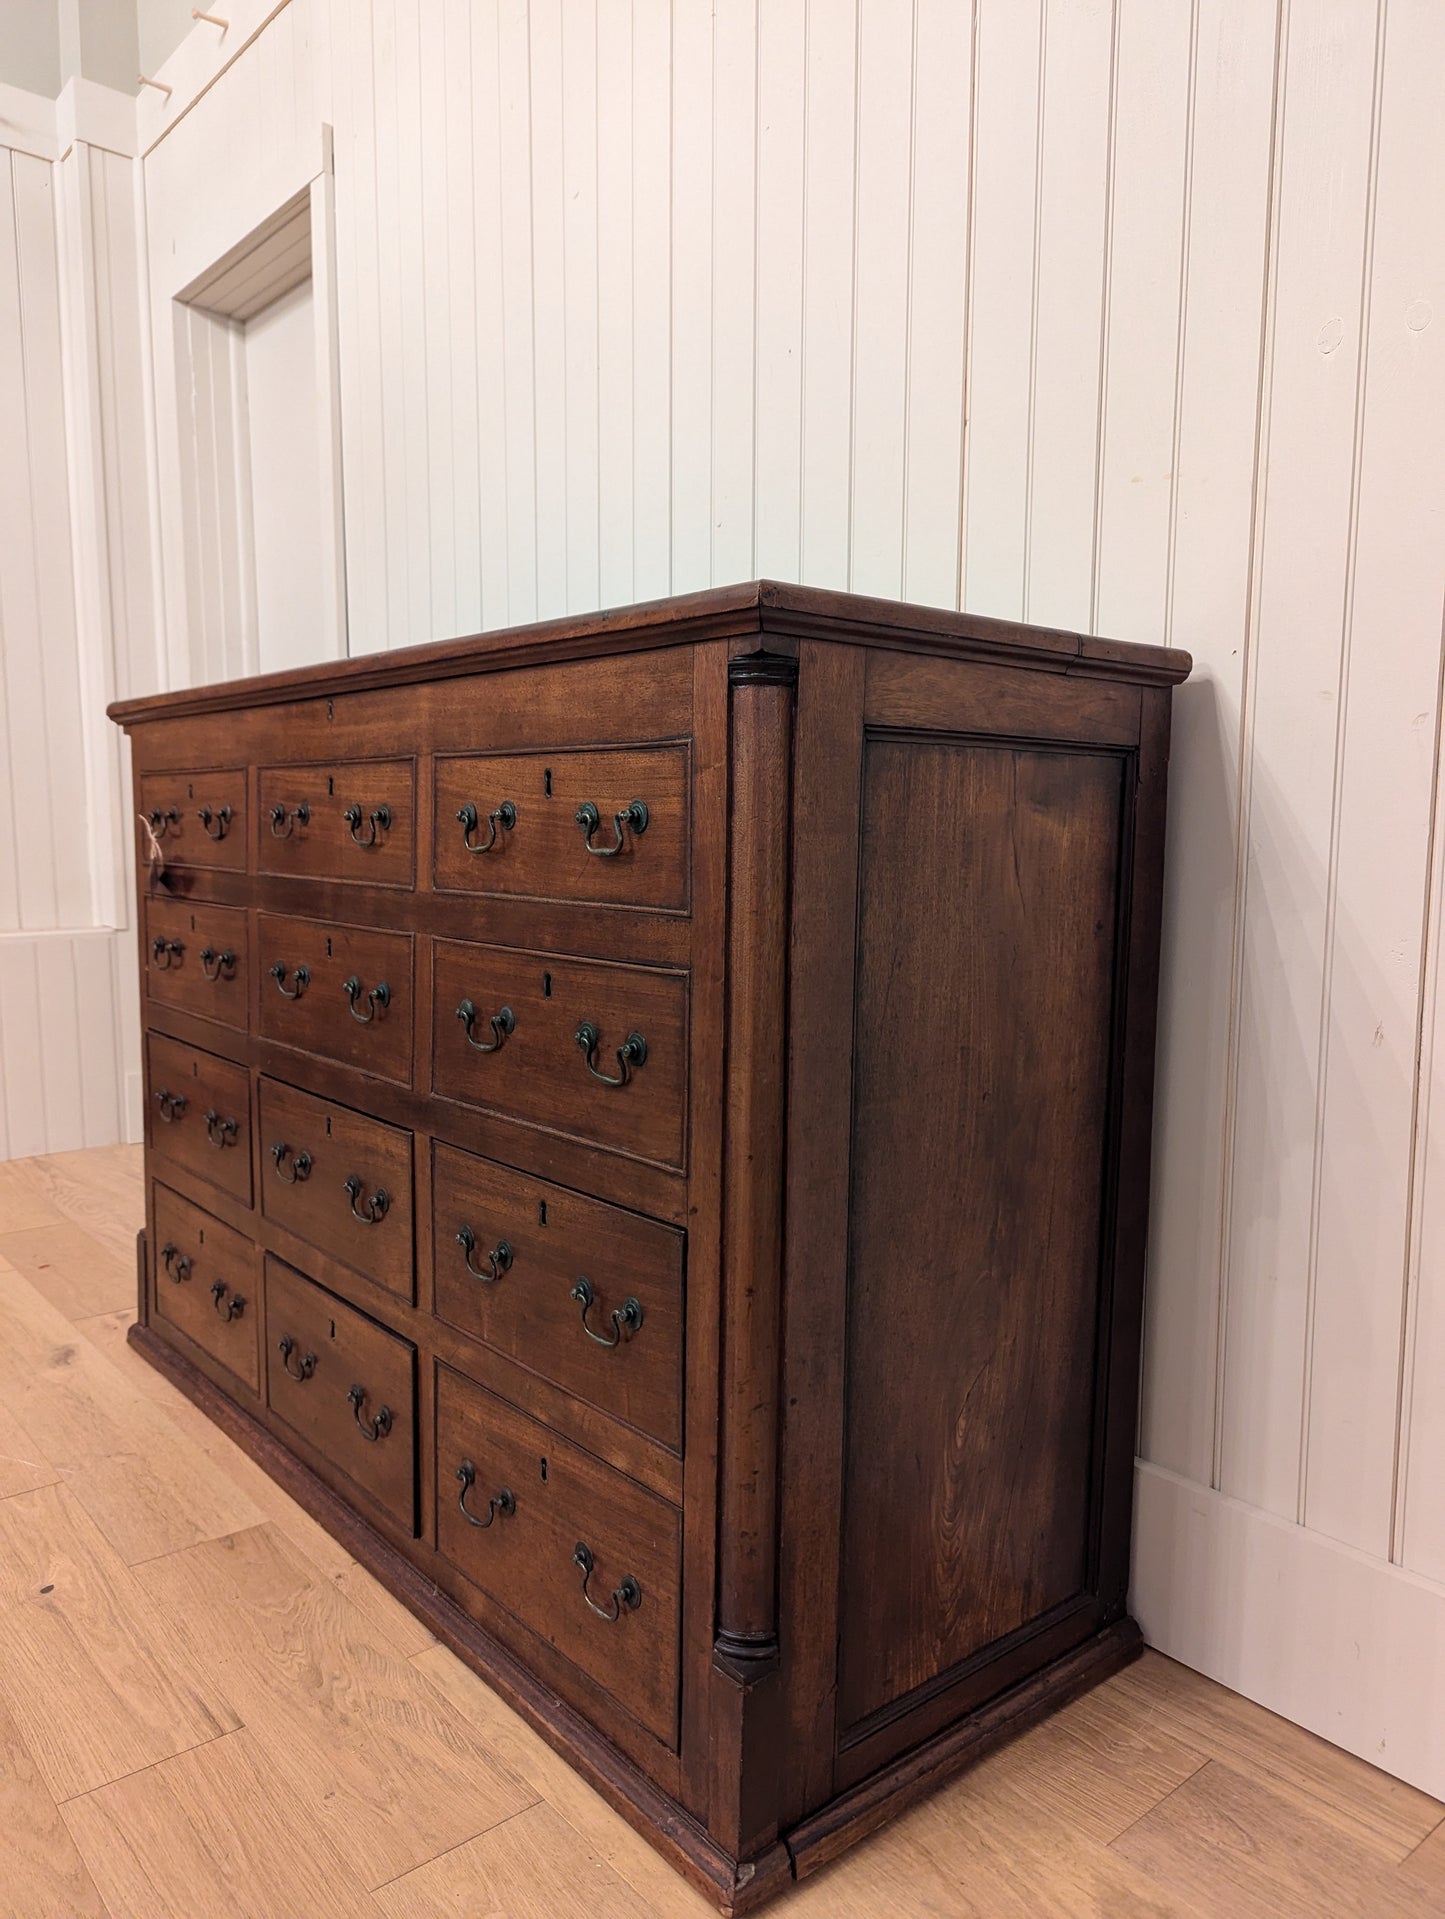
(987, 925)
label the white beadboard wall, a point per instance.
(1124, 315)
(75, 570)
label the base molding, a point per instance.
(734, 1887)
(1339, 1642)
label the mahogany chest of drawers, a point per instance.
(647, 1136)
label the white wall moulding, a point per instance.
(1335, 1639)
(63, 1058)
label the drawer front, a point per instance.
(559, 1518)
(197, 959)
(206, 1284)
(199, 819)
(606, 827)
(346, 1385)
(198, 1113)
(346, 822)
(586, 1294)
(340, 1180)
(528, 1009)
(338, 990)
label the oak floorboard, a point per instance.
(1096, 1767)
(207, 1835)
(1245, 1850)
(377, 1758)
(23, 1200)
(97, 1682)
(42, 1876)
(536, 1866)
(1362, 1802)
(23, 1466)
(403, 1631)
(1426, 1864)
(605, 1832)
(70, 1268)
(148, 1487)
(100, 1189)
(982, 1849)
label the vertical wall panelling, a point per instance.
(518, 336)
(1006, 136)
(734, 287)
(880, 292)
(651, 314)
(1230, 117)
(829, 182)
(549, 297)
(463, 505)
(1070, 267)
(939, 205)
(438, 224)
(1385, 771)
(692, 289)
(616, 417)
(413, 407)
(495, 539)
(581, 268)
(781, 93)
(1297, 683)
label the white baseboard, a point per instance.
(1348, 1646)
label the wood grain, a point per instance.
(533, 1867)
(387, 1768)
(77, 1273)
(1364, 1804)
(207, 1835)
(96, 1690)
(1246, 1851)
(41, 1873)
(143, 1484)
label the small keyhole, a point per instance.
(193, 922)
(546, 986)
(541, 1212)
(547, 781)
(333, 1329)
(331, 784)
(330, 711)
(190, 791)
(201, 1236)
(328, 1125)
(328, 948)
(195, 1070)
(544, 1468)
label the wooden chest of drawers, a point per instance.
(648, 1138)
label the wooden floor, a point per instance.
(207, 1708)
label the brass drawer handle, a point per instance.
(215, 824)
(378, 821)
(300, 1165)
(499, 1259)
(634, 814)
(302, 977)
(378, 1426)
(218, 965)
(177, 1264)
(306, 1365)
(166, 954)
(632, 1052)
(220, 1132)
(505, 817)
(628, 1594)
(374, 1211)
(172, 1105)
(625, 1318)
(285, 820)
(501, 1023)
(378, 998)
(164, 820)
(503, 1502)
(233, 1307)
